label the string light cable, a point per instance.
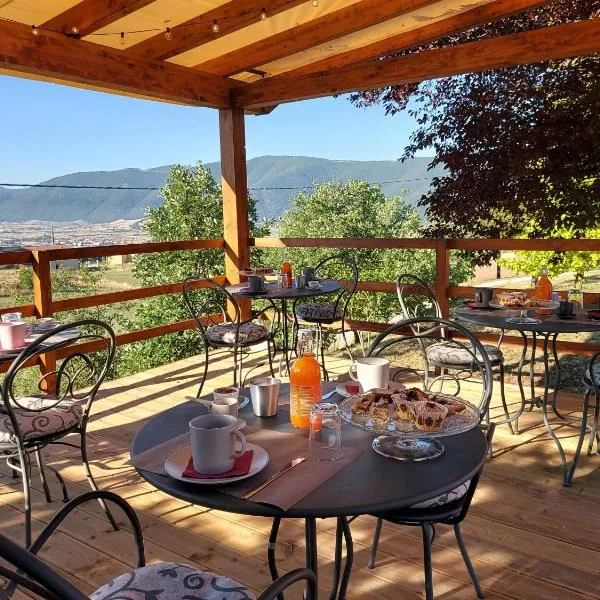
(169, 32)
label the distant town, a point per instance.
(77, 233)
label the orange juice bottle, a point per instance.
(286, 269)
(305, 381)
(543, 290)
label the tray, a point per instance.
(457, 423)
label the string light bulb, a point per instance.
(168, 34)
(75, 30)
(263, 15)
(34, 30)
(122, 38)
(315, 3)
(215, 27)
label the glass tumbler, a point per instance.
(576, 297)
(325, 438)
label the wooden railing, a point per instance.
(44, 305)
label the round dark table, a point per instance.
(549, 330)
(371, 484)
(273, 291)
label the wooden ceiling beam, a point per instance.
(483, 14)
(231, 17)
(550, 43)
(55, 56)
(90, 15)
(349, 19)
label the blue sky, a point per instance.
(51, 130)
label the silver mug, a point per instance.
(483, 295)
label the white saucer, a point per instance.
(342, 391)
(176, 464)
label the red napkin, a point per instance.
(240, 467)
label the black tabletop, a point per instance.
(550, 323)
(274, 292)
(371, 484)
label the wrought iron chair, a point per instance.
(169, 581)
(397, 343)
(591, 382)
(323, 311)
(29, 423)
(208, 306)
(418, 300)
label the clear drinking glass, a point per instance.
(325, 438)
(576, 297)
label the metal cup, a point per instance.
(264, 392)
(255, 283)
(309, 273)
(299, 281)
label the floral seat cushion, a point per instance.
(39, 423)
(224, 333)
(171, 581)
(319, 311)
(455, 494)
(453, 353)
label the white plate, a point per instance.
(242, 400)
(342, 391)
(176, 464)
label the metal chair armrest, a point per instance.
(285, 581)
(66, 510)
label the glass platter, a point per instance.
(457, 423)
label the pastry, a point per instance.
(402, 407)
(362, 406)
(429, 416)
(415, 395)
(380, 409)
(453, 406)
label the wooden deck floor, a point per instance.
(528, 536)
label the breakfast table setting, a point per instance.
(534, 320)
(236, 450)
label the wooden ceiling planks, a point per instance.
(341, 22)
(53, 55)
(557, 42)
(231, 17)
(486, 13)
(90, 15)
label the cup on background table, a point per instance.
(566, 309)
(12, 317)
(309, 273)
(213, 439)
(264, 392)
(325, 436)
(371, 372)
(226, 392)
(256, 283)
(12, 335)
(222, 406)
(483, 295)
(299, 281)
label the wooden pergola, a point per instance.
(248, 56)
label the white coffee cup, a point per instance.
(213, 438)
(226, 392)
(222, 406)
(371, 372)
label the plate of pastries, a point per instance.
(257, 271)
(520, 300)
(409, 411)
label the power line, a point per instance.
(150, 189)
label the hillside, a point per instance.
(101, 206)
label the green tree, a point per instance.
(358, 209)
(192, 209)
(558, 263)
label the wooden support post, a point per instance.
(442, 270)
(235, 197)
(42, 303)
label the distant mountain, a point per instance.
(102, 206)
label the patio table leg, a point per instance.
(310, 527)
(349, 557)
